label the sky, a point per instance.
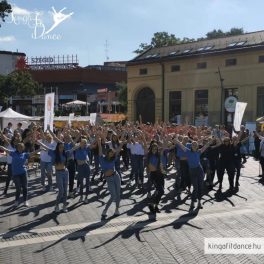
(123, 24)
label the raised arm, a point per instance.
(180, 145)
(43, 145)
(55, 138)
(206, 146)
(5, 150)
(4, 138)
(218, 143)
(99, 146)
(31, 154)
(259, 136)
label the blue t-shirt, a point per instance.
(82, 153)
(106, 164)
(52, 154)
(193, 158)
(18, 162)
(180, 152)
(153, 160)
(67, 148)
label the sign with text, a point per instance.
(49, 111)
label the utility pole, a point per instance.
(106, 50)
(222, 95)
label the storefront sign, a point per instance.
(40, 60)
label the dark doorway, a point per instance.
(145, 105)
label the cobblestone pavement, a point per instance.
(38, 235)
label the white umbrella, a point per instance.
(76, 102)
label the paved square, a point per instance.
(38, 235)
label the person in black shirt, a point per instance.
(257, 145)
(237, 159)
(213, 158)
(226, 162)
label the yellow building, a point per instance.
(194, 81)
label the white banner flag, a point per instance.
(239, 112)
(49, 111)
(71, 117)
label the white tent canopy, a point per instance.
(76, 103)
(9, 115)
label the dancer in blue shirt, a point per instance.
(19, 170)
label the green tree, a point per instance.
(5, 9)
(235, 31)
(3, 97)
(220, 33)
(162, 39)
(17, 83)
(122, 94)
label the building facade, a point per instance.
(8, 61)
(194, 82)
(71, 82)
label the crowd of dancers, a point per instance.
(147, 152)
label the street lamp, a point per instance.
(87, 108)
(222, 94)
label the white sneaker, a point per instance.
(26, 203)
(64, 209)
(81, 199)
(86, 200)
(57, 209)
(117, 212)
(71, 195)
(16, 203)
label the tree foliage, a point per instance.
(162, 39)
(122, 93)
(219, 33)
(5, 9)
(19, 83)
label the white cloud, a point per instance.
(7, 39)
(20, 11)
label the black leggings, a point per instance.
(213, 164)
(238, 168)
(230, 169)
(21, 183)
(261, 161)
(9, 177)
(185, 176)
(157, 178)
(72, 169)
